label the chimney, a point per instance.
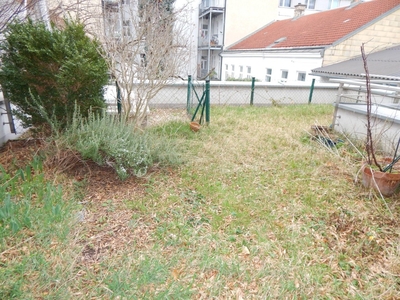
(299, 10)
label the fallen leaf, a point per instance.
(245, 250)
(176, 273)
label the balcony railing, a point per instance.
(206, 4)
(215, 41)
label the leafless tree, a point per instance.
(146, 45)
(146, 42)
(10, 10)
(86, 12)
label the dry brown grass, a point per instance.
(259, 210)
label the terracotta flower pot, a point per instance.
(385, 182)
(194, 126)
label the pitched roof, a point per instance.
(319, 29)
(384, 64)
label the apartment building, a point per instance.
(224, 22)
(285, 51)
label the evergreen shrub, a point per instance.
(58, 67)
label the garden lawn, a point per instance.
(257, 210)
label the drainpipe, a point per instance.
(209, 45)
(223, 43)
(44, 13)
(25, 13)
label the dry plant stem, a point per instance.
(16, 246)
(369, 147)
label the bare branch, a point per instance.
(146, 45)
(10, 10)
(369, 147)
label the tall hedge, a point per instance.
(51, 70)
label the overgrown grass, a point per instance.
(258, 210)
(35, 218)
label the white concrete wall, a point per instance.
(245, 17)
(352, 119)
(237, 93)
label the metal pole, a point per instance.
(9, 113)
(207, 101)
(338, 97)
(119, 106)
(253, 79)
(311, 91)
(189, 93)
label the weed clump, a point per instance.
(108, 140)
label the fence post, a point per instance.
(189, 92)
(338, 97)
(207, 100)
(311, 91)
(119, 105)
(9, 113)
(253, 79)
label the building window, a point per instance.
(334, 3)
(226, 67)
(301, 76)
(311, 4)
(204, 33)
(126, 28)
(268, 74)
(203, 62)
(240, 72)
(284, 75)
(285, 3)
(233, 71)
(248, 72)
(143, 61)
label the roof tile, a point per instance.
(317, 29)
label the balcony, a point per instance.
(206, 6)
(214, 43)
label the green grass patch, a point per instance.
(257, 210)
(35, 222)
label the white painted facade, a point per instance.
(272, 66)
(228, 21)
(286, 9)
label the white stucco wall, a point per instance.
(244, 17)
(293, 63)
(352, 119)
(320, 5)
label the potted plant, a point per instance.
(382, 174)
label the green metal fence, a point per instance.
(198, 101)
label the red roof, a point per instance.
(317, 29)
